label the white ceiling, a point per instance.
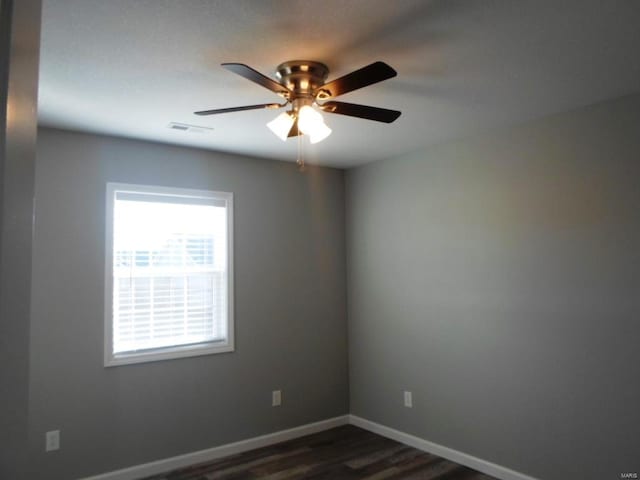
(128, 68)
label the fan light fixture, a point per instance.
(310, 122)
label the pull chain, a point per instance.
(300, 161)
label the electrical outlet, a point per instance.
(52, 440)
(276, 398)
(408, 399)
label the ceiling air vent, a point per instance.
(185, 127)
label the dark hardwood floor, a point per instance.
(342, 453)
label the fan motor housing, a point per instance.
(302, 77)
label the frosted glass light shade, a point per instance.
(321, 131)
(310, 122)
(281, 125)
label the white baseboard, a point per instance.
(165, 465)
(456, 456)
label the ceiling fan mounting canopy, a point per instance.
(302, 77)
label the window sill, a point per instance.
(167, 354)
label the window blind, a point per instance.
(169, 271)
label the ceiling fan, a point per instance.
(302, 84)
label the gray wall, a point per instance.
(290, 312)
(19, 53)
(498, 279)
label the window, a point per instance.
(169, 273)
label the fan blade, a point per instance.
(240, 109)
(256, 77)
(294, 132)
(374, 73)
(361, 111)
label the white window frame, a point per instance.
(180, 351)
